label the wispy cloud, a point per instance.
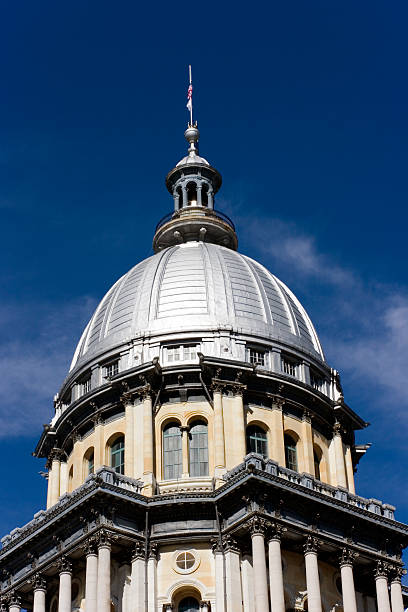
(37, 342)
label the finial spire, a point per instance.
(190, 97)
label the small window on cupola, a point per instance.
(204, 195)
(191, 194)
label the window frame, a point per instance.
(120, 467)
(292, 448)
(172, 470)
(263, 441)
(179, 352)
(203, 465)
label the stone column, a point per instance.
(184, 452)
(55, 459)
(277, 592)
(347, 559)
(210, 196)
(277, 452)
(184, 192)
(219, 576)
(350, 470)
(314, 601)
(65, 579)
(199, 195)
(99, 446)
(219, 441)
(397, 604)
(247, 576)
(127, 401)
(91, 577)
(239, 422)
(381, 586)
(103, 596)
(339, 456)
(137, 581)
(152, 578)
(176, 197)
(40, 590)
(258, 527)
(232, 575)
(63, 477)
(307, 440)
(15, 603)
(148, 442)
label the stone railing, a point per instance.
(255, 461)
(103, 476)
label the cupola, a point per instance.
(193, 184)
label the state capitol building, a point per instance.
(201, 455)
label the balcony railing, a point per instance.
(305, 480)
(208, 213)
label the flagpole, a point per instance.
(191, 105)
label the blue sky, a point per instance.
(303, 109)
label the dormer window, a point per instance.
(181, 352)
(111, 368)
(289, 366)
(257, 356)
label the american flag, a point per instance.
(190, 97)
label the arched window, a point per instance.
(172, 456)
(117, 455)
(191, 194)
(198, 449)
(70, 478)
(317, 457)
(204, 195)
(188, 604)
(179, 192)
(256, 440)
(89, 462)
(290, 453)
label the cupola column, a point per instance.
(104, 573)
(275, 570)
(347, 580)
(232, 574)
(184, 192)
(210, 199)
(314, 600)
(176, 201)
(397, 604)
(40, 590)
(381, 587)
(307, 443)
(91, 576)
(137, 582)
(277, 431)
(258, 528)
(152, 578)
(65, 581)
(199, 194)
(54, 476)
(339, 456)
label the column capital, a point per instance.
(337, 429)
(311, 545)
(277, 401)
(64, 565)
(90, 546)
(14, 599)
(396, 572)
(306, 416)
(39, 583)
(276, 532)
(216, 546)
(347, 557)
(230, 544)
(382, 569)
(105, 538)
(139, 551)
(217, 386)
(258, 525)
(153, 550)
(56, 454)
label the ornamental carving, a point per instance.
(230, 544)
(56, 454)
(382, 569)
(258, 525)
(216, 545)
(337, 429)
(396, 572)
(39, 583)
(277, 401)
(276, 532)
(105, 538)
(139, 551)
(153, 550)
(311, 545)
(347, 557)
(205, 605)
(307, 416)
(90, 546)
(64, 565)
(15, 599)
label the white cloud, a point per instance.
(38, 341)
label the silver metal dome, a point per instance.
(197, 289)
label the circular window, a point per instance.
(185, 561)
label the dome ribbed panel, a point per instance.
(122, 310)
(247, 301)
(278, 310)
(94, 333)
(183, 286)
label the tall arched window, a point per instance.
(188, 604)
(89, 462)
(317, 456)
(204, 195)
(290, 453)
(191, 194)
(198, 449)
(117, 453)
(256, 440)
(172, 455)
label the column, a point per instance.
(381, 586)
(91, 576)
(277, 592)
(99, 446)
(63, 477)
(148, 443)
(176, 197)
(219, 576)
(184, 452)
(397, 604)
(247, 576)
(347, 580)
(152, 578)
(232, 575)
(312, 575)
(307, 440)
(137, 580)
(40, 589)
(339, 456)
(210, 199)
(184, 192)
(199, 195)
(239, 422)
(103, 597)
(278, 445)
(257, 527)
(55, 479)
(127, 401)
(15, 603)
(350, 470)
(219, 442)
(65, 578)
